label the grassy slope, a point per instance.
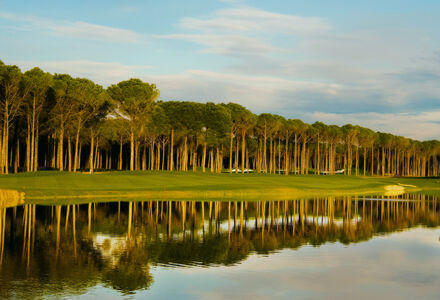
(52, 184)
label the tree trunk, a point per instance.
(236, 153)
(158, 156)
(318, 160)
(28, 145)
(230, 151)
(265, 150)
(271, 162)
(17, 156)
(5, 161)
(279, 155)
(303, 156)
(144, 158)
(378, 162)
(151, 154)
(54, 157)
(295, 154)
(75, 162)
(243, 150)
(389, 160)
(136, 155)
(120, 155)
(132, 149)
(79, 155)
(211, 158)
(204, 159)
(259, 155)
(217, 160)
(327, 158)
(185, 153)
(33, 134)
(95, 163)
(365, 160)
(163, 154)
(194, 160)
(357, 161)
(37, 138)
(91, 150)
(286, 160)
(69, 151)
(171, 150)
(247, 158)
(6, 143)
(61, 146)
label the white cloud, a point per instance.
(259, 93)
(238, 31)
(96, 32)
(371, 49)
(368, 64)
(250, 19)
(76, 29)
(226, 44)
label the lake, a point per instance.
(334, 247)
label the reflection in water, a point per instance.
(115, 244)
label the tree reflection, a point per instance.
(130, 273)
(117, 244)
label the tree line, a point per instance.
(55, 121)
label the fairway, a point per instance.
(189, 185)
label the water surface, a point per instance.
(357, 247)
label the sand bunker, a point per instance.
(394, 190)
(11, 198)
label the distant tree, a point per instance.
(320, 131)
(118, 131)
(89, 101)
(99, 106)
(350, 133)
(38, 83)
(217, 126)
(134, 100)
(334, 136)
(242, 120)
(62, 111)
(12, 94)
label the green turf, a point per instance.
(50, 184)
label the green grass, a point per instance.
(63, 185)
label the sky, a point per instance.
(373, 63)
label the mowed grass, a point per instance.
(150, 184)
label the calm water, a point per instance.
(325, 247)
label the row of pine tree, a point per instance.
(54, 121)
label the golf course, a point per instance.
(64, 187)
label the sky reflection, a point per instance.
(403, 265)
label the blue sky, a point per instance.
(373, 63)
